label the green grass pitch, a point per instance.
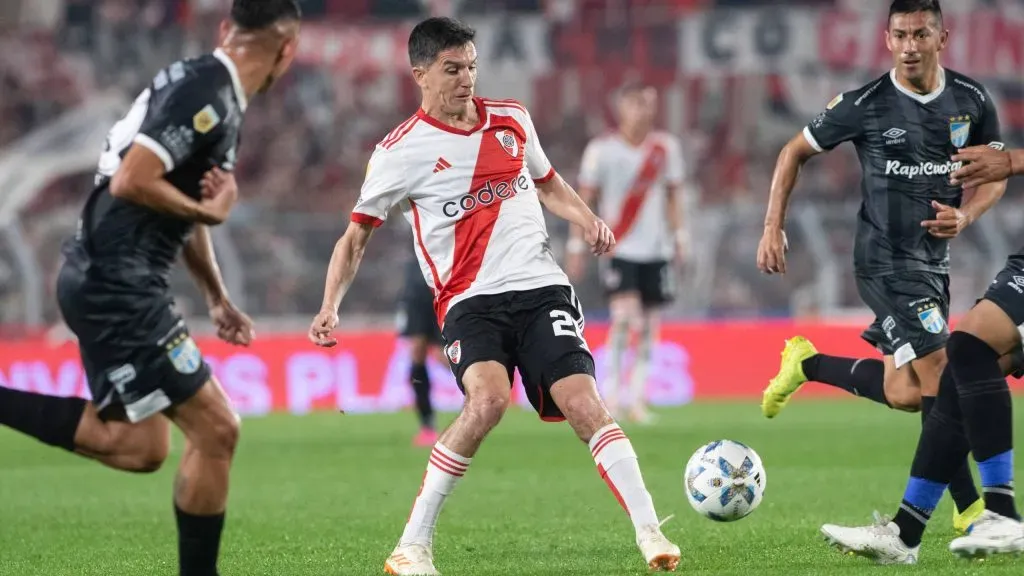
(328, 494)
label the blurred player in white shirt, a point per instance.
(470, 176)
(634, 175)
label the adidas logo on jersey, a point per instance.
(442, 164)
(488, 194)
(897, 168)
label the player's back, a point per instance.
(189, 117)
(471, 199)
(905, 141)
(633, 183)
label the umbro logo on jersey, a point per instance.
(894, 136)
(442, 164)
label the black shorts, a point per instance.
(416, 317)
(653, 280)
(540, 332)
(136, 352)
(1007, 290)
(910, 309)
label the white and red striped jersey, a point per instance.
(470, 197)
(633, 185)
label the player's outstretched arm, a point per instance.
(984, 164)
(348, 252)
(576, 247)
(560, 198)
(140, 179)
(771, 252)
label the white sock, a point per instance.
(638, 375)
(617, 464)
(616, 346)
(444, 469)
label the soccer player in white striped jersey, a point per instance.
(470, 176)
(634, 175)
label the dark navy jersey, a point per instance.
(904, 141)
(190, 117)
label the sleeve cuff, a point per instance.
(812, 140)
(545, 178)
(156, 148)
(366, 219)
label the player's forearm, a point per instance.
(201, 261)
(984, 198)
(348, 253)
(1017, 162)
(787, 168)
(160, 195)
(562, 201)
(673, 206)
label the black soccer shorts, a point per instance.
(540, 332)
(1007, 290)
(136, 352)
(911, 311)
(416, 316)
(653, 280)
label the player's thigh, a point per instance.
(478, 331)
(657, 284)
(552, 348)
(998, 318)
(910, 310)
(901, 386)
(928, 370)
(208, 421)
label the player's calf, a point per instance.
(211, 430)
(74, 425)
(576, 397)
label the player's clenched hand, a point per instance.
(320, 332)
(599, 236)
(948, 221)
(771, 251)
(220, 191)
(982, 165)
(233, 325)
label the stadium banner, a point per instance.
(982, 43)
(368, 371)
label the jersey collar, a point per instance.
(922, 98)
(235, 80)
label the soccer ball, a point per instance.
(725, 480)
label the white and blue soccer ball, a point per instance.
(724, 480)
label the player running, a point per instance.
(635, 175)
(163, 179)
(470, 176)
(973, 413)
(905, 126)
(418, 323)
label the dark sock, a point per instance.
(198, 542)
(1017, 362)
(858, 376)
(987, 415)
(421, 387)
(52, 420)
(961, 487)
(941, 452)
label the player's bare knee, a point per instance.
(151, 459)
(905, 399)
(486, 408)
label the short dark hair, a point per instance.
(260, 14)
(911, 6)
(435, 35)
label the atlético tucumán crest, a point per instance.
(959, 130)
(508, 142)
(931, 318)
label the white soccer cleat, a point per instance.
(411, 560)
(879, 542)
(659, 552)
(990, 534)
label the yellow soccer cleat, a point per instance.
(790, 377)
(962, 520)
